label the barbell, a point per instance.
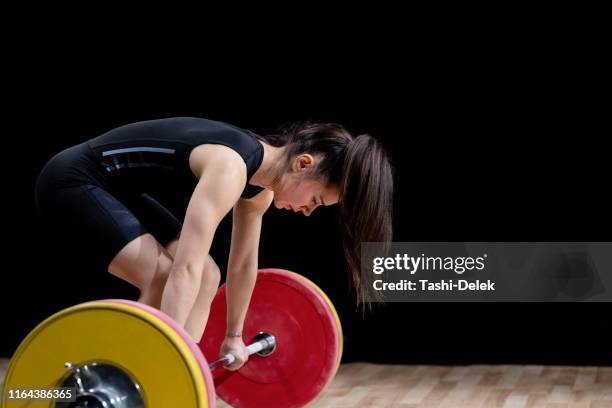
(118, 353)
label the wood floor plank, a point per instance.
(478, 386)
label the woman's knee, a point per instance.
(211, 276)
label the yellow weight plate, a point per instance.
(124, 335)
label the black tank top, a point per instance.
(148, 153)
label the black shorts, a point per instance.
(80, 211)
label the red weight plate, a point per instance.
(308, 337)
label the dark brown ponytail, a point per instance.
(366, 208)
(361, 169)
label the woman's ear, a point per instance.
(303, 162)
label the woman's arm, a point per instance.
(242, 271)
(222, 179)
(242, 263)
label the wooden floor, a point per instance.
(407, 386)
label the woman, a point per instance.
(91, 190)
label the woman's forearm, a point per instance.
(180, 293)
(240, 282)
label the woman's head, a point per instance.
(299, 192)
(324, 164)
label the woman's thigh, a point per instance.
(88, 222)
(143, 262)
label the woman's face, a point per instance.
(299, 192)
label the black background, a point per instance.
(492, 143)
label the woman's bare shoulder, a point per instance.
(217, 157)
